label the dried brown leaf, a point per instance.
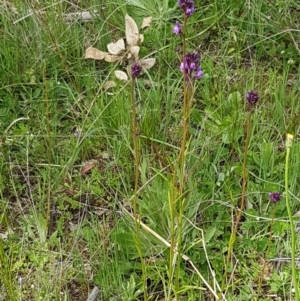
(108, 85)
(121, 75)
(141, 38)
(134, 50)
(116, 48)
(95, 54)
(112, 58)
(131, 31)
(148, 63)
(146, 22)
(88, 167)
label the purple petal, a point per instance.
(177, 28)
(199, 73)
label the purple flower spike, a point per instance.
(191, 66)
(187, 6)
(135, 70)
(275, 197)
(177, 28)
(252, 97)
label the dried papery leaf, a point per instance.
(128, 69)
(146, 22)
(148, 63)
(121, 75)
(134, 50)
(141, 38)
(108, 85)
(94, 53)
(84, 16)
(110, 58)
(116, 48)
(131, 31)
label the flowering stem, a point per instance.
(186, 107)
(135, 148)
(289, 141)
(136, 183)
(267, 251)
(243, 196)
(191, 69)
(177, 192)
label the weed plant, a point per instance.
(155, 168)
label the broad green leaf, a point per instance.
(209, 233)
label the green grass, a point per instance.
(63, 231)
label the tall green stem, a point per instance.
(243, 196)
(177, 191)
(49, 154)
(289, 142)
(136, 151)
(267, 252)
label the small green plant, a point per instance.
(130, 291)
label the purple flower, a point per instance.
(187, 6)
(191, 66)
(177, 28)
(275, 197)
(135, 70)
(198, 73)
(252, 97)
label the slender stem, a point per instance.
(182, 157)
(176, 197)
(244, 174)
(49, 155)
(136, 185)
(292, 226)
(135, 149)
(267, 251)
(243, 196)
(185, 112)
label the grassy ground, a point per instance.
(67, 158)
